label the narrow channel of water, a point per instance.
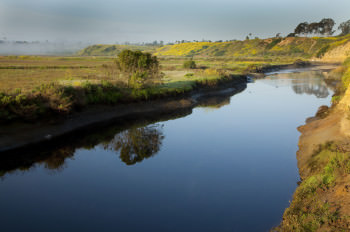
(230, 165)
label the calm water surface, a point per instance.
(228, 166)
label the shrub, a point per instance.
(188, 75)
(322, 51)
(138, 67)
(220, 53)
(273, 43)
(189, 64)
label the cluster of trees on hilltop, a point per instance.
(323, 28)
(345, 28)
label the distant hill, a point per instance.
(301, 47)
(328, 48)
(113, 50)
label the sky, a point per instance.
(111, 21)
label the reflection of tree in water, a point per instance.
(311, 83)
(137, 144)
(320, 91)
(54, 160)
(133, 145)
(57, 160)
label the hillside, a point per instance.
(113, 50)
(332, 49)
(296, 47)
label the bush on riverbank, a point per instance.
(140, 69)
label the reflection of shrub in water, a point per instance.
(55, 161)
(137, 144)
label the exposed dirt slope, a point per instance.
(322, 201)
(338, 53)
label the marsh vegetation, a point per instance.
(33, 87)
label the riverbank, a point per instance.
(39, 88)
(170, 98)
(322, 201)
(21, 135)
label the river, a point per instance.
(227, 165)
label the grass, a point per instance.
(346, 75)
(33, 87)
(342, 74)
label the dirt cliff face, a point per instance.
(344, 111)
(319, 130)
(337, 54)
(322, 200)
(315, 133)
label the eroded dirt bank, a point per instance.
(322, 200)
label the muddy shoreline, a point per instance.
(21, 136)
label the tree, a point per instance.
(139, 67)
(326, 26)
(345, 28)
(313, 28)
(301, 29)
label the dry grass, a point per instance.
(34, 87)
(28, 72)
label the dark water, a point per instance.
(230, 165)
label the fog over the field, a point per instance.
(110, 21)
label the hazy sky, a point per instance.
(109, 21)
